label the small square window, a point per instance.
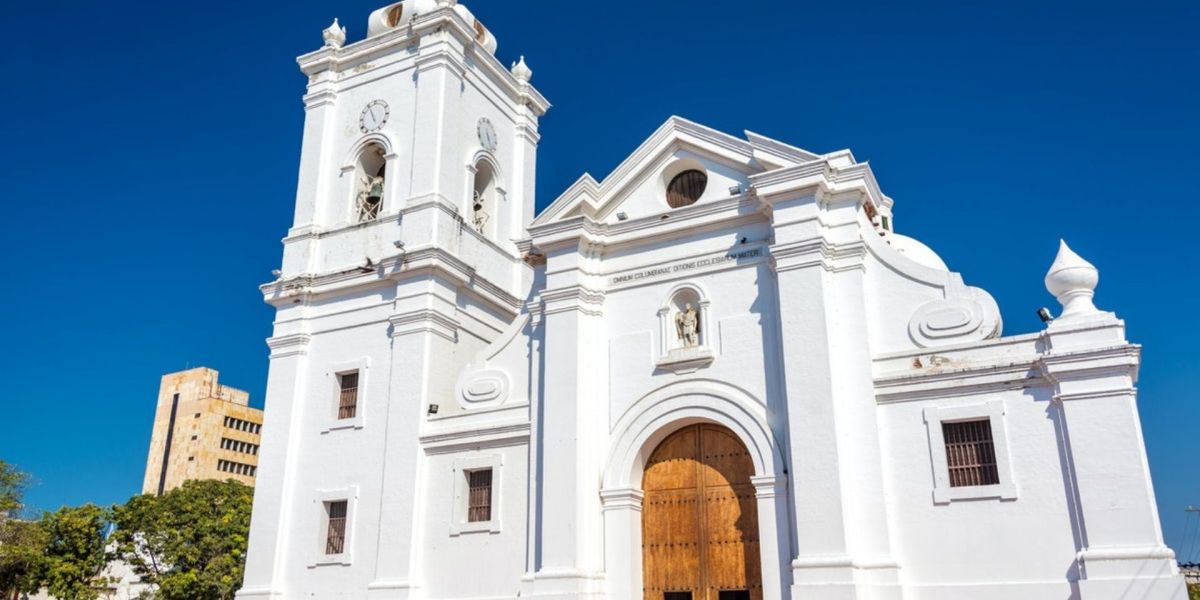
(191, 458)
(970, 453)
(197, 416)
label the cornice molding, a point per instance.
(441, 21)
(283, 346)
(428, 260)
(573, 298)
(835, 258)
(937, 383)
(426, 320)
(448, 441)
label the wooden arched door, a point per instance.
(699, 519)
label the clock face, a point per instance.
(487, 135)
(373, 116)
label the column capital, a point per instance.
(622, 498)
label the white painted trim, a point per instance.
(320, 499)
(994, 412)
(331, 422)
(458, 522)
(640, 430)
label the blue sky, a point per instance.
(149, 161)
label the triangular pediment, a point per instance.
(637, 187)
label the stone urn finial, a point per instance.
(521, 71)
(1073, 281)
(334, 35)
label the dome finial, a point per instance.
(521, 71)
(334, 35)
(1072, 280)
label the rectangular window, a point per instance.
(335, 536)
(348, 395)
(479, 488)
(677, 596)
(970, 453)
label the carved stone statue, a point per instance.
(687, 325)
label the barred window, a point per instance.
(335, 531)
(348, 395)
(970, 453)
(479, 503)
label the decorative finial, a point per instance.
(335, 35)
(521, 71)
(445, 3)
(1073, 281)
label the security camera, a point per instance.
(1044, 315)
(398, 244)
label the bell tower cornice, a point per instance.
(439, 35)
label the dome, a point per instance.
(917, 252)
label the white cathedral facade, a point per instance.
(717, 374)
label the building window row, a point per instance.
(237, 468)
(241, 425)
(239, 446)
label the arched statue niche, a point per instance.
(684, 336)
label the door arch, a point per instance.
(700, 518)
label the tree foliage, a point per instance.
(12, 487)
(22, 561)
(189, 542)
(75, 554)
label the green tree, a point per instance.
(12, 488)
(22, 560)
(189, 542)
(76, 553)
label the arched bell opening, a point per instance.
(483, 200)
(370, 181)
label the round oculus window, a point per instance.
(686, 188)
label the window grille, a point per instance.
(686, 188)
(479, 504)
(970, 453)
(335, 537)
(348, 395)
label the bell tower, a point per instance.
(416, 177)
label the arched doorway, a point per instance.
(700, 519)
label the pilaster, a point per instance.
(273, 500)
(423, 332)
(1093, 371)
(569, 553)
(842, 535)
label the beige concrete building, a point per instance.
(202, 430)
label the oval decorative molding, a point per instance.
(479, 389)
(947, 321)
